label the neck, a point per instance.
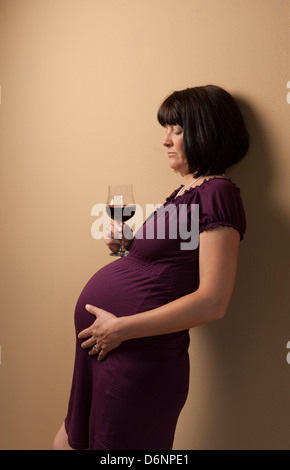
(187, 179)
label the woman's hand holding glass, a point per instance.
(114, 233)
(120, 208)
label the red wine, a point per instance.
(121, 213)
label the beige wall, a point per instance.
(81, 81)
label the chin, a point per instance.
(174, 166)
(177, 168)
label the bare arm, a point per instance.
(218, 255)
(218, 263)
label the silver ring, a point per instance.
(95, 347)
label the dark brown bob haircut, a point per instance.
(214, 133)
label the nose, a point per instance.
(167, 142)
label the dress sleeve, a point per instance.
(221, 205)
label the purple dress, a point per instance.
(132, 399)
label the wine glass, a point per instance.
(120, 207)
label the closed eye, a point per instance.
(177, 130)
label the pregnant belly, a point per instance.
(124, 288)
(121, 288)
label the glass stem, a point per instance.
(122, 249)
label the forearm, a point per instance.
(184, 313)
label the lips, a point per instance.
(171, 154)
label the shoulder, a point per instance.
(218, 190)
(220, 203)
(219, 184)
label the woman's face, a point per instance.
(173, 141)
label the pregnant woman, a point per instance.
(132, 319)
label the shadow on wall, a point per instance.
(248, 371)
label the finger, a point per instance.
(101, 354)
(95, 350)
(113, 231)
(113, 235)
(92, 309)
(89, 343)
(108, 232)
(85, 333)
(114, 247)
(116, 226)
(112, 243)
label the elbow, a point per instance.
(216, 309)
(220, 313)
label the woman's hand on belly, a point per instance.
(103, 335)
